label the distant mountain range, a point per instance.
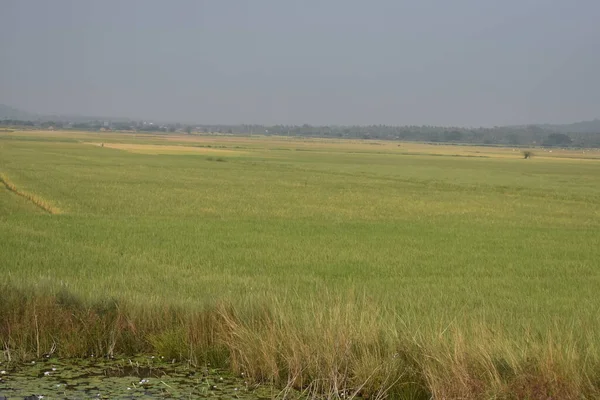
(592, 126)
(7, 112)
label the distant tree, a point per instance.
(452, 136)
(188, 129)
(513, 138)
(527, 154)
(557, 139)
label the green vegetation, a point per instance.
(147, 377)
(335, 267)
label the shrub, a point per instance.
(527, 154)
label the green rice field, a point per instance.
(324, 268)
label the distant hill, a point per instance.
(7, 112)
(577, 127)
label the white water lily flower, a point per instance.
(2, 372)
(47, 373)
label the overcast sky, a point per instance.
(435, 62)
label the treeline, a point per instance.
(510, 136)
(531, 135)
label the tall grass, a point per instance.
(333, 347)
(333, 271)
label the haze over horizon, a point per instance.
(469, 63)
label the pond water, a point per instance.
(140, 377)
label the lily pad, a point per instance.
(145, 377)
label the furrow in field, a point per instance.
(36, 200)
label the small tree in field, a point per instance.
(527, 154)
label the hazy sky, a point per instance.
(439, 62)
